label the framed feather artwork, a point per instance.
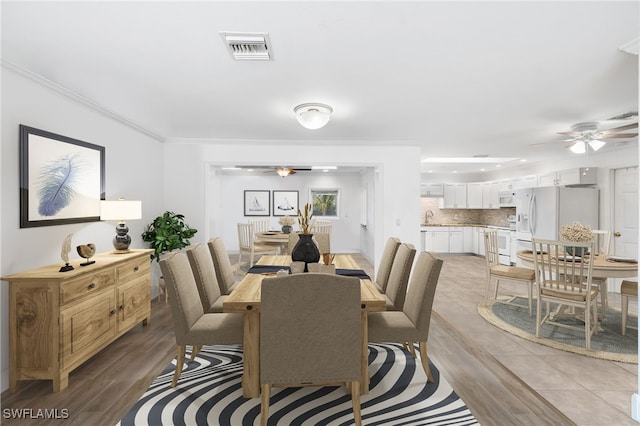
(61, 179)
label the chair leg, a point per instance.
(425, 361)
(530, 298)
(409, 346)
(538, 316)
(625, 312)
(179, 364)
(486, 295)
(587, 329)
(264, 404)
(355, 401)
(495, 296)
(604, 298)
(195, 350)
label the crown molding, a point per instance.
(79, 98)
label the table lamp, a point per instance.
(121, 210)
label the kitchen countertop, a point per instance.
(428, 225)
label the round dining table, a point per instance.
(275, 237)
(602, 265)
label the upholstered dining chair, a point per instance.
(627, 289)
(411, 324)
(222, 265)
(396, 291)
(205, 276)
(310, 334)
(247, 244)
(192, 326)
(386, 261)
(565, 280)
(497, 272)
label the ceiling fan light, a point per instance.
(596, 144)
(283, 171)
(312, 115)
(578, 148)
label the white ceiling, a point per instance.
(458, 78)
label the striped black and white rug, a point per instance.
(209, 392)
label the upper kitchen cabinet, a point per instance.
(474, 195)
(431, 190)
(570, 177)
(529, 181)
(490, 198)
(455, 195)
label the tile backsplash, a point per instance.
(494, 217)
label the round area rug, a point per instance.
(608, 343)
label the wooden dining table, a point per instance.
(602, 266)
(245, 299)
(275, 237)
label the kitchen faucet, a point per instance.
(428, 216)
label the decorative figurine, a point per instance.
(64, 254)
(87, 251)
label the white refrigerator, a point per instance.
(541, 212)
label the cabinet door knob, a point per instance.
(113, 312)
(121, 307)
(136, 269)
(617, 234)
(91, 286)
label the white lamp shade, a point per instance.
(120, 210)
(596, 144)
(313, 116)
(578, 148)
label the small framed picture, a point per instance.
(285, 203)
(325, 202)
(257, 203)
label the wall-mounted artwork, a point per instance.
(257, 203)
(285, 203)
(61, 179)
(325, 202)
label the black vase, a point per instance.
(305, 250)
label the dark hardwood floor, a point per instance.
(103, 389)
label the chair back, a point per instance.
(422, 290)
(323, 241)
(321, 227)
(399, 276)
(246, 235)
(561, 269)
(204, 274)
(386, 261)
(184, 299)
(260, 225)
(222, 264)
(491, 248)
(602, 238)
(310, 329)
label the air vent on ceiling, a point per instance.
(248, 46)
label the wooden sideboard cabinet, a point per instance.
(58, 320)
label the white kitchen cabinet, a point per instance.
(455, 195)
(474, 195)
(505, 185)
(467, 239)
(577, 176)
(529, 181)
(490, 199)
(436, 239)
(431, 189)
(480, 234)
(456, 243)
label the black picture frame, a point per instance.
(285, 203)
(61, 179)
(257, 203)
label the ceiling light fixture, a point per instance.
(580, 147)
(283, 171)
(313, 115)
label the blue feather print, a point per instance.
(57, 179)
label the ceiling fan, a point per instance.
(282, 171)
(584, 135)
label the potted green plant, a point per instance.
(166, 233)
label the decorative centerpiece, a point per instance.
(286, 222)
(305, 249)
(64, 254)
(87, 251)
(577, 233)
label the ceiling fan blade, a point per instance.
(575, 134)
(619, 135)
(621, 128)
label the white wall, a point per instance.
(133, 170)
(396, 180)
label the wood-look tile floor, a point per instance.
(503, 379)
